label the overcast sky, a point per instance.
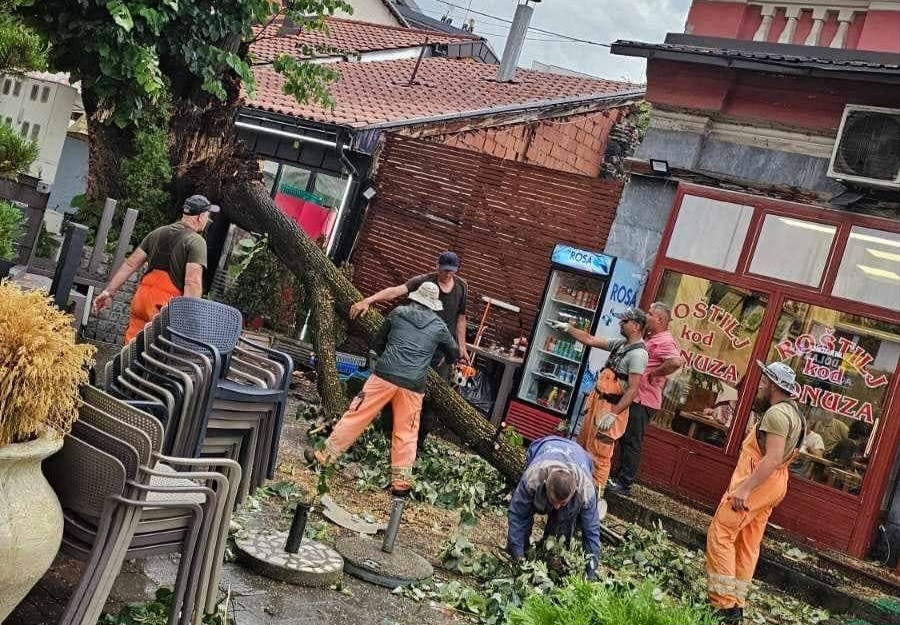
(596, 20)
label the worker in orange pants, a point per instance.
(175, 256)
(758, 485)
(375, 395)
(406, 343)
(607, 407)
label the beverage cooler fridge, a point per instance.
(579, 290)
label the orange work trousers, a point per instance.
(154, 291)
(375, 395)
(734, 537)
(600, 445)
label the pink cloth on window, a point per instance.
(660, 347)
(313, 219)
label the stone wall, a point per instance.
(109, 325)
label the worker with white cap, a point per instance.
(758, 485)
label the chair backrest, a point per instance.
(84, 477)
(133, 436)
(117, 448)
(207, 321)
(126, 413)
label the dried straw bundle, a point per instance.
(41, 366)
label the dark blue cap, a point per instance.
(448, 261)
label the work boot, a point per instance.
(619, 489)
(730, 616)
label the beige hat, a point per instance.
(428, 295)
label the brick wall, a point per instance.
(576, 144)
(109, 325)
(502, 217)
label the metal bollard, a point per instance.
(298, 527)
(390, 534)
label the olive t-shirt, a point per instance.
(171, 248)
(454, 301)
(782, 419)
(635, 361)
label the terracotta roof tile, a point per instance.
(376, 92)
(346, 36)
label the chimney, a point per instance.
(515, 41)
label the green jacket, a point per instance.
(406, 343)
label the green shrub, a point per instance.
(579, 602)
(10, 230)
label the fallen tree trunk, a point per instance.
(247, 204)
(321, 308)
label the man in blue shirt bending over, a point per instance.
(557, 482)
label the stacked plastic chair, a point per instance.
(217, 393)
(122, 499)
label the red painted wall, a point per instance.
(812, 103)
(881, 31)
(716, 19)
(874, 30)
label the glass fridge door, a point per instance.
(554, 359)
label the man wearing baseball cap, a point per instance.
(453, 293)
(758, 484)
(607, 407)
(175, 256)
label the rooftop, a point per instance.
(347, 37)
(763, 56)
(378, 95)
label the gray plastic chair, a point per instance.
(125, 421)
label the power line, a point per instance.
(534, 28)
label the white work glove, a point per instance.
(558, 325)
(606, 422)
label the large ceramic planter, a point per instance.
(31, 520)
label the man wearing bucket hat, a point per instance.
(175, 257)
(406, 344)
(758, 484)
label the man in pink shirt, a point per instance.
(663, 360)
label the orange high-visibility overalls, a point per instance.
(154, 291)
(734, 537)
(606, 394)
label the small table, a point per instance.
(510, 364)
(697, 419)
(813, 462)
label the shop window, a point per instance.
(306, 208)
(844, 364)
(269, 171)
(870, 269)
(715, 327)
(331, 188)
(45, 94)
(709, 232)
(792, 250)
(295, 178)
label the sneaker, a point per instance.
(601, 509)
(619, 489)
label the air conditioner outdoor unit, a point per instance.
(867, 148)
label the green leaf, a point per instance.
(121, 15)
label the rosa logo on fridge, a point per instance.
(593, 262)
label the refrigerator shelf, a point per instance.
(552, 379)
(577, 361)
(562, 303)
